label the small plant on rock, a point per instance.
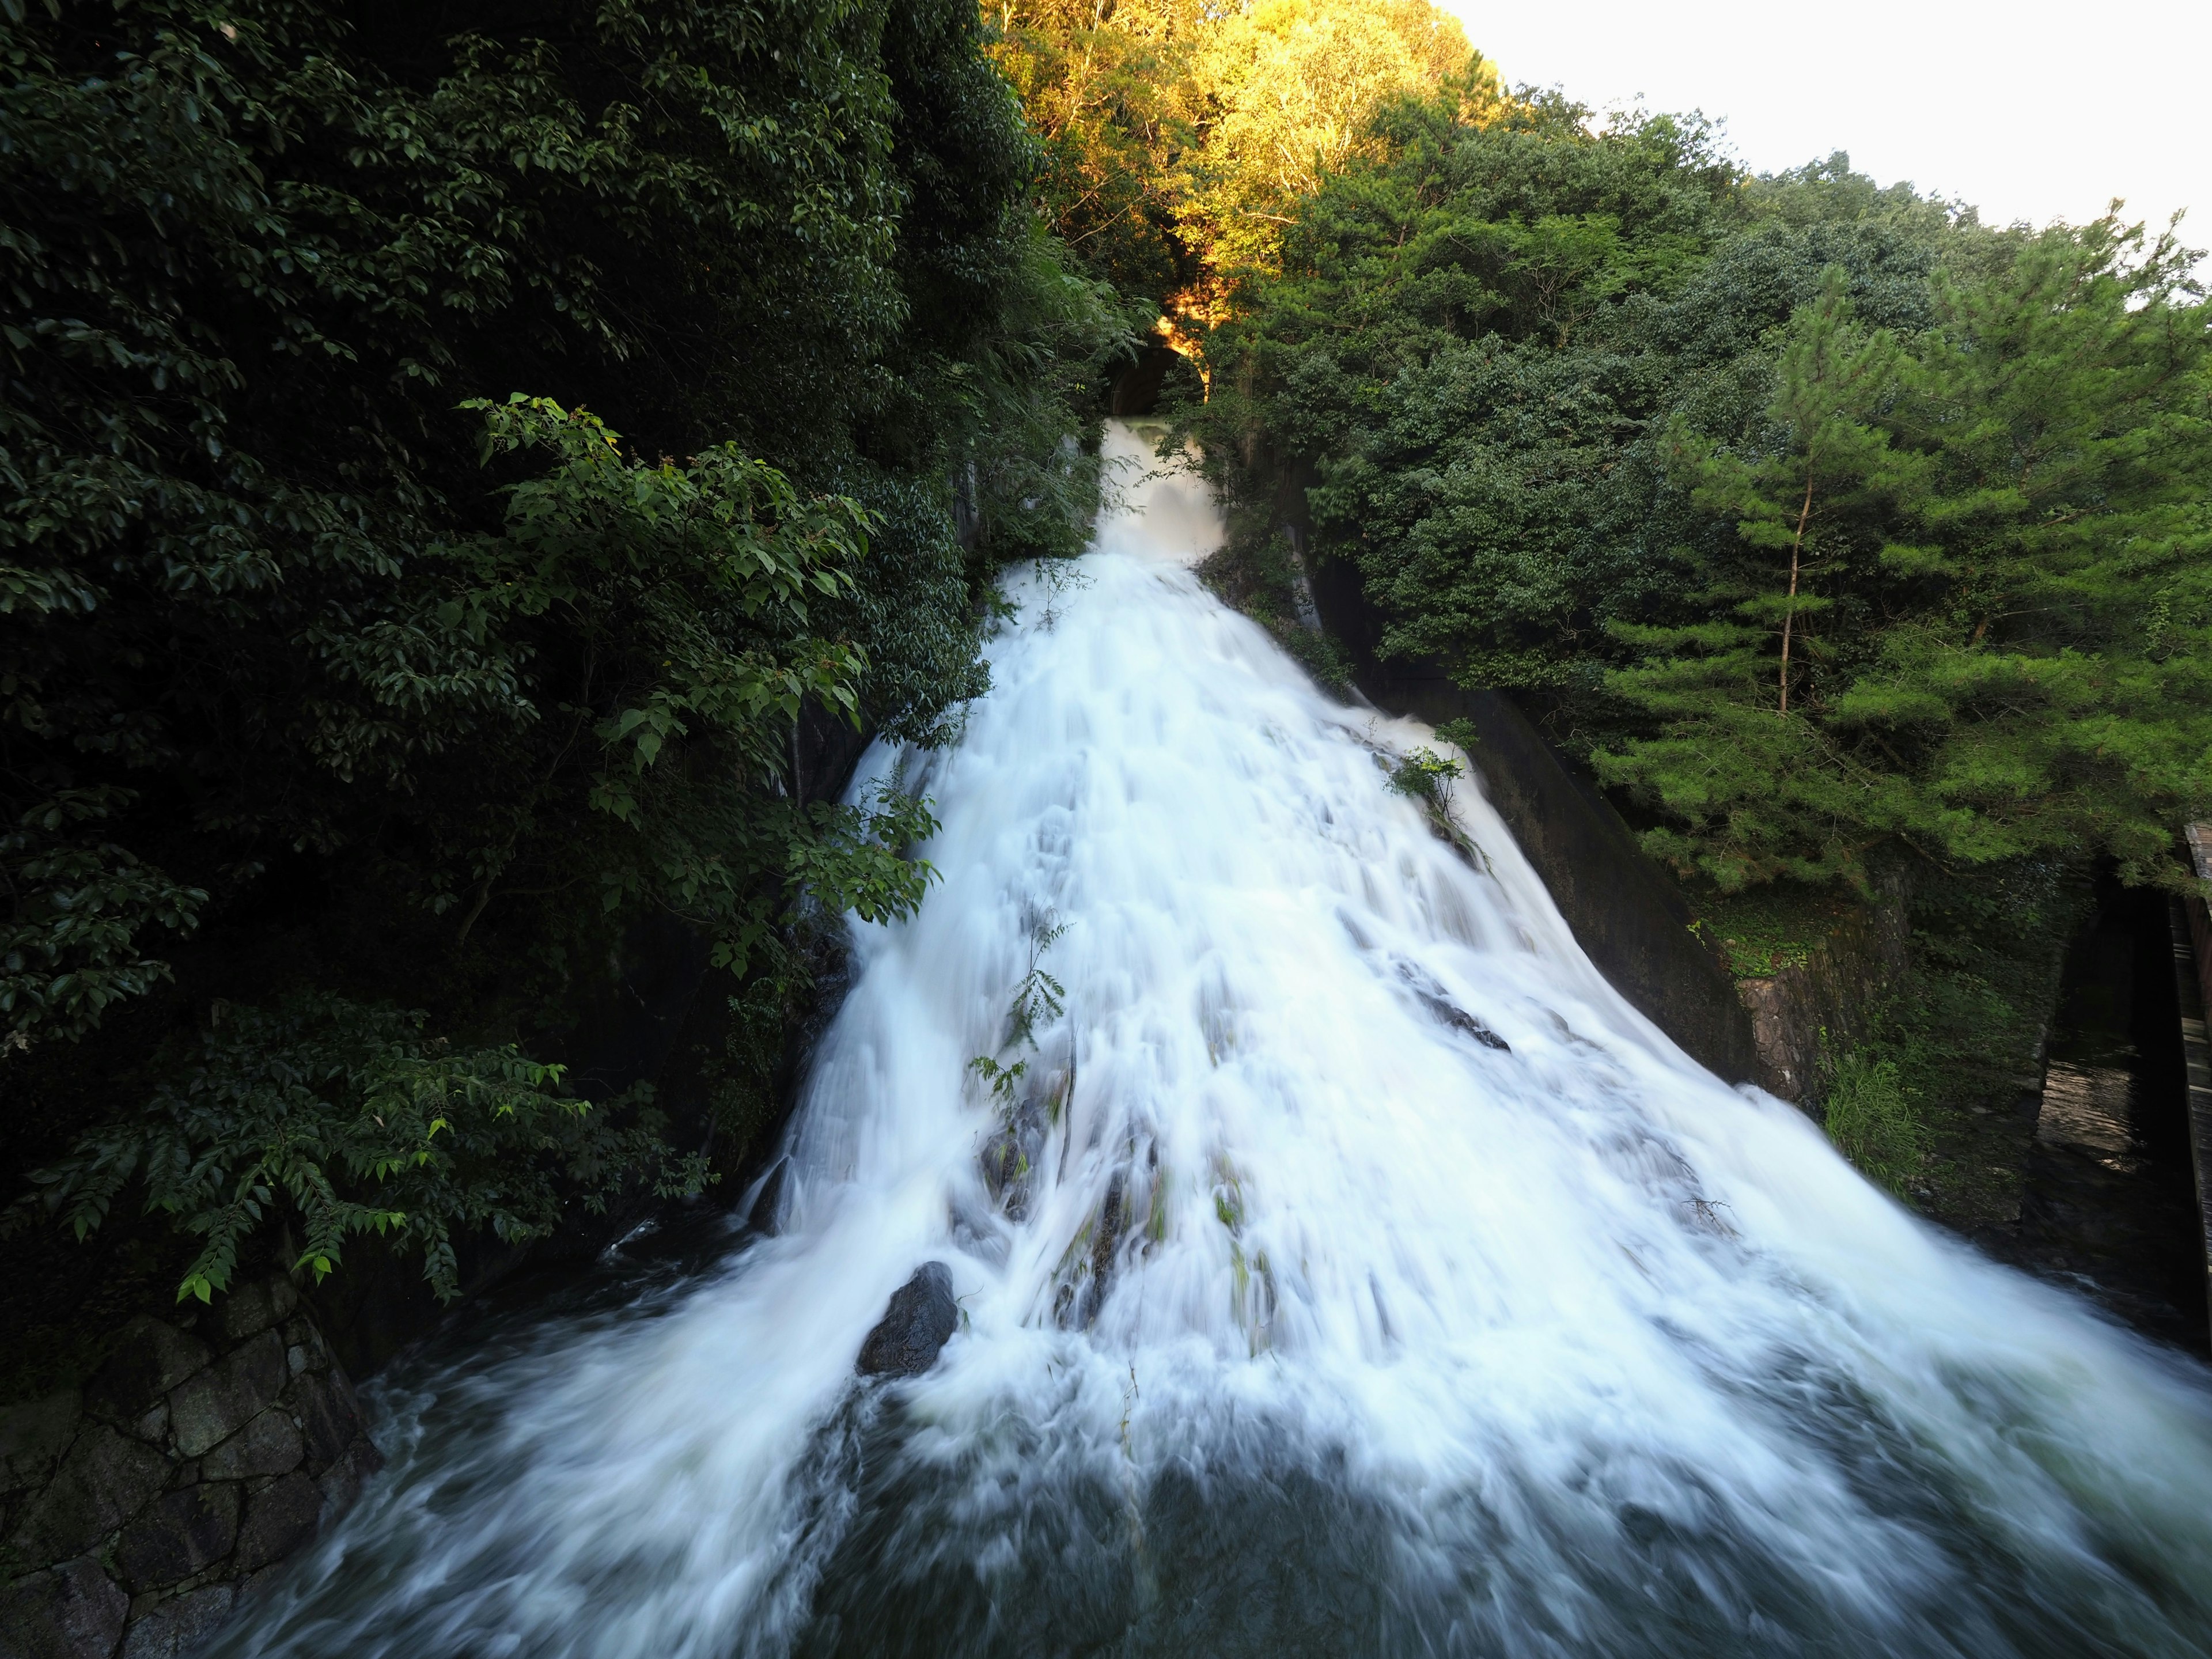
(1423, 774)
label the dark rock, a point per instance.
(209, 1408)
(178, 1626)
(771, 1208)
(1010, 1157)
(916, 1326)
(268, 1445)
(251, 1309)
(103, 1480)
(1460, 1020)
(1106, 1245)
(307, 1336)
(150, 1358)
(305, 1350)
(1442, 1009)
(328, 1420)
(74, 1611)
(279, 1520)
(186, 1531)
(342, 1482)
(32, 1437)
(1005, 1171)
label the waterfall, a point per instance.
(1348, 1270)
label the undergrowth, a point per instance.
(1871, 1121)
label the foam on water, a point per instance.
(1356, 1273)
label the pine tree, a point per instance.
(1968, 601)
(1745, 757)
(2052, 668)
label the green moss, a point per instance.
(1763, 930)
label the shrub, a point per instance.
(346, 1118)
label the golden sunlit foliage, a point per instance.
(1180, 134)
(1282, 91)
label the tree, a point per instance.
(2009, 517)
(1182, 136)
(309, 682)
(1104, 86)
(1748, 773)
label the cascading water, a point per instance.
(1349, 1271)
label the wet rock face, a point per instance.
(916, 1326)
(1112, 1218)
(132, 1514)
(772, 1206)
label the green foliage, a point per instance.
(1759, 930)
(1002, 1081)
(1322, 656)
(344, 1118)
(72, 944)
(1445, 347)
(1987, 544)
(1030, 467)
(1967, 1024)
(676, 600)
(1819, 518)
(1964, 1027)
(1101, 87)
(253, 257)
(1177, 134)
(1038, 999)
(1423, 774)
(1871, 1122)
(318, 670)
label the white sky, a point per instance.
(2028, 109)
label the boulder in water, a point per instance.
(1460, 1020)
(916, 1328)
(773, 1200)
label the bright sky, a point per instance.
(2027, 109)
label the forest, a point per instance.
(463, 466)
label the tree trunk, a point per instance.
(1789, 616)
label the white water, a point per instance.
(1407, 1344)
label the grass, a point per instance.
(1873, 1123)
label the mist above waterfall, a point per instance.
(1346, 1270)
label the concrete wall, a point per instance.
(1625, 911)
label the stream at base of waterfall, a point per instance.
(1348, 1270)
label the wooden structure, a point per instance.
(2192, 969)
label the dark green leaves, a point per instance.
(312, 675)
(342, 1118)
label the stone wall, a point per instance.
(1820, 1006)
(136, 1510)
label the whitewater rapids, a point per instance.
(1350, 1270)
